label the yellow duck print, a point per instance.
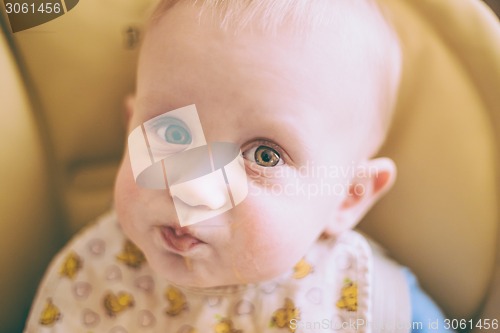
(177, 301)
(349, 297)
(282, 317)
(50, 314)
(71, 265)
(302, 269)
(226, 326)
(131, 255)
(115, 304)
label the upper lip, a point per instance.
(181, 231)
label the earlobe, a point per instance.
(374, 179)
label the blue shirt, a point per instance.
(426, 315)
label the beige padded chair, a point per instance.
(62, 86)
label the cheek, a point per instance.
(273, 233)
(126, 194)
(123, 185)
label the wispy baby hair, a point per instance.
(267, 14)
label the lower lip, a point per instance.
(179, 244)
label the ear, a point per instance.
(371, 181)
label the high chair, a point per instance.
(62, 89)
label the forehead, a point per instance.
(183, 39)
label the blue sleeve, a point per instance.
(426, 315)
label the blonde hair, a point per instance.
(240, 14)
(306, 15)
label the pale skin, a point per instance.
(254, 90)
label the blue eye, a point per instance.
(178, 135)
(173, 131)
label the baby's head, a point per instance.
(305, 89)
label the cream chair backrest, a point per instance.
(83, 65)
(28, 226)
(441, 219)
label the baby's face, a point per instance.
(291, 104)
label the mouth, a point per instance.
(179, 239)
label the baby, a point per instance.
(249, 163)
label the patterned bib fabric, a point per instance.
(101, 282)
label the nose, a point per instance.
(206, 192)
(201, 198)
